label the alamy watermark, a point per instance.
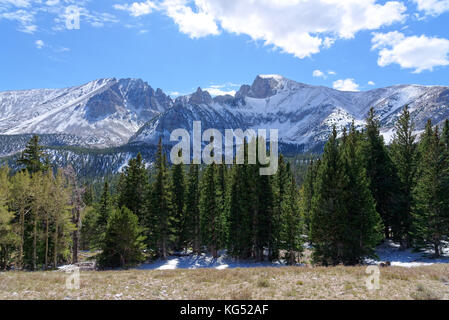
(213, 152)
(373, 280)
(72, 18)
(72, 281)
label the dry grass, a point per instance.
(428, 282)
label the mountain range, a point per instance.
(119, 117)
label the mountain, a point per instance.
(304, 114)
(118, 118)
(101, 113)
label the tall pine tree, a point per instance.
(380, 171)
(404, 156)
(431, 209)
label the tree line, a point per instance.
(362, 191)
(358, 193)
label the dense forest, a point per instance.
(342, 203)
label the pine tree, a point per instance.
(178, 192)
(241, 210)
(192, 228)
(380, 171)
(404, 156)
(291, 226)
(133, 187)
(33, 157)
(160, 208)
(362, 222)
(345, 226)
(431, 209)
(104, 209)
(307, 192)
(209, 210)
(445, 136)
(123, 243)
(328, 207)
(222, 196)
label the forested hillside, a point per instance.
(342, 204)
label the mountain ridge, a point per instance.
(110, 112)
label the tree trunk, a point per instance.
(22, 238)
(46, 244)
(35, 242)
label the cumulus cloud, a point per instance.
(371, 83)
(346, 85)
(39, 44)
(432, 7)
(418, 53)
(24, 18)
(318, 74)
(297, 27)
(222, 89)
(137, 9)
(27, 12)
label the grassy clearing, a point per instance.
(430, 282)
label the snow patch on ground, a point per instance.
(389, 251)
(205, 261)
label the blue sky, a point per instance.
(178, 45)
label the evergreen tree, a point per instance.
(178, 192)
(344, 225)
(192, 228)
(362, 222)
(103, 209)
(209, 210)
(307, 192)
(291, 226)
(123, 243)
(133, 187)
(328, 209)
(431, 209)
(380, 171)
(263, 207)
(160, 208)
(445, 137)
(33, 157)
(222, 196)
(404, 156)
(241, 209)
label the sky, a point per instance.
(179, 45)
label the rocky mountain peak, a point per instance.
(200, 97)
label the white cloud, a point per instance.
(195, 24)
(371, 83)
(137, 9)
(419, 53)
(432, 7)
(39, 44)
(331, 73)
(297, 27)
(222, 89)
(27, 12)
(23, 17)
(17, 3)
(318, 74)
(346, 85)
